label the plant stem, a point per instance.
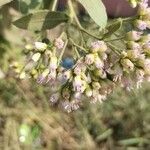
(54, 5)
(70, 4)
(90, 34)
(72, 11)
(62, 52)
(114, 48)
(78, 46)
(120, 38)
(77, 53)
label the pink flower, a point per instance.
(141, 25)
(89, 59)
(134, 35)
(59, 43)
(98, 46)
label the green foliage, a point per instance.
(96, 10)
(41, 20)
(26, 6)
(113, 27)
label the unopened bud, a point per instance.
(133, 54)
(40, 46)
(140, 24)
(29, 47)
(134, 35)
(133, 45)
(54, 98)
(89, 59)
(22, 75)
(98, 62)
(127, 64)
(145, 38)
(53, 63)
(59, 43)
(45, 72)
(146, 48)
(36, 57)
(133, 3)
(98, 46)
(67, 75)
(96, 85)
(88, 92)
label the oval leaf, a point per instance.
(41, 20)
(3, 2)
(96, 10)
(113, 27)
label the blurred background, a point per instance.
(28, 122)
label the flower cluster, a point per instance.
(95, 72)
(143, 16)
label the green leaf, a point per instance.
(28, 6)
(113, 27)
(41, 20)
(3, 2)
(96, 10)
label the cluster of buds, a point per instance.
(42, 62)
(134, 63)
(85, 80)
(96, 71)
(143, 20)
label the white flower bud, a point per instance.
(77, 95)
(22, 75)
(98, 62)
(59, 43)
(36, 57)
(133, 54)
(133, 3)
(66, 106)
(146, 48)
(53, 63)
(146, 66)
(127, 65)
(145, 38)
(79, 85)
(98, 46)
(88, 92)
(51, 76)
(89, 59)
(133, 45)
(54, 98)
(96, 85)
(140, 24)
(40, 46)
(134, 35)
(29, 47)
(67, 75)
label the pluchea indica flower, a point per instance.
(67, 75)
(127, 65)
(89, 59)
(96, 69)
(59, 43)
(140, 24)
(134, 35)
(36, 57)
(54, 98)
(88, 92)
(133, 54)
(40, 46)
(133, 45)
(53, 63)
(98, 46)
